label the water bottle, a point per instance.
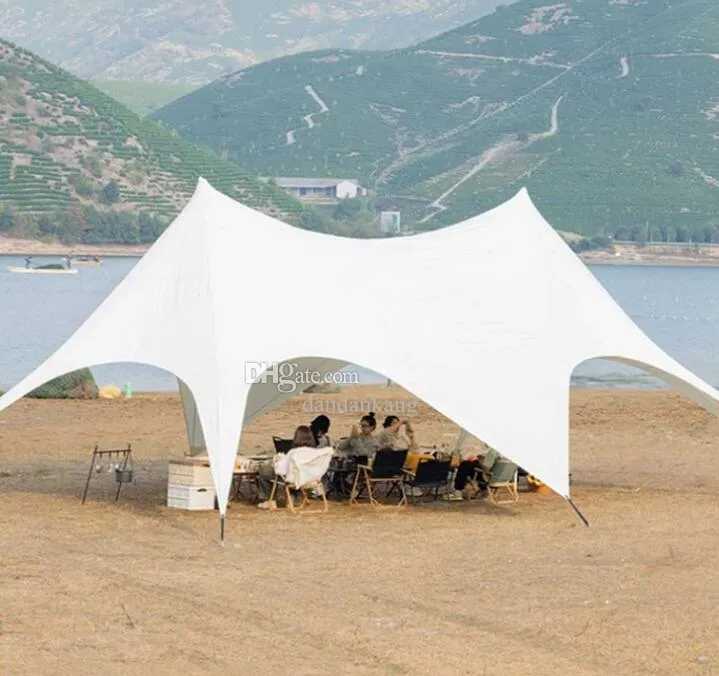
(128, 390)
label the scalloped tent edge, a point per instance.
(484, 320)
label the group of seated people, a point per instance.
(362, 443)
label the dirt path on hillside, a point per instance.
(409, 156)
(624, 64)
(493, 154)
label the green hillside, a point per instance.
(607, 111)
(142, 97)
(76, 164)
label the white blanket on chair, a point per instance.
(303, 465)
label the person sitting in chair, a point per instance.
(362, 441)
(266, 473)
(320, 427)
(303, 437)
(392, 436)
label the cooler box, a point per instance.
(190, 497)
(189, 472)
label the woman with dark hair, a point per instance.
(303, 437)
(320, 427)
(393, 437)
(361, 442)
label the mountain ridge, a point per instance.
(194, 42)
(606, 111)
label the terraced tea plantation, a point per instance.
(65, 147)
(606, 110)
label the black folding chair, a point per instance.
(341, 474)
(282, 445)
(386, 469)
(430, 474)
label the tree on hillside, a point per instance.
(311, 219)
(667, 233)
(676, 168)
(601, 242)
(683, 234)
(110, 193)
(706, 234)
(46, 224)
(638, 234)
(25, 225)
(6, 217)
(348, 209)
(622, 234)
(82, 186)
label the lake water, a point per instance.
(677, 307)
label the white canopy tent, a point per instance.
(485, 320)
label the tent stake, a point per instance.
(222, 527)
(579, 514)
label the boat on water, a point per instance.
(93, 261)
(46, 270)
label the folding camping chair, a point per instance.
(282, 445)
(502, 477)
(387, 469)
(290, 487)
(430, 474)
(301, 469)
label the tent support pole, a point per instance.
(222, 528)
(579, 514)
(460, 441)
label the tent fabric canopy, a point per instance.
(485, 320)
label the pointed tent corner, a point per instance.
(203, 188)
(523, 197)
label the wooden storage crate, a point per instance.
(189, 473)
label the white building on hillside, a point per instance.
(321, 188)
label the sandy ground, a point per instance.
(453, 588)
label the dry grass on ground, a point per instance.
(460, 588)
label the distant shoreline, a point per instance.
(654, 262)
(656, 254)
(13, 246)
(111, 253)
(77, 252)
